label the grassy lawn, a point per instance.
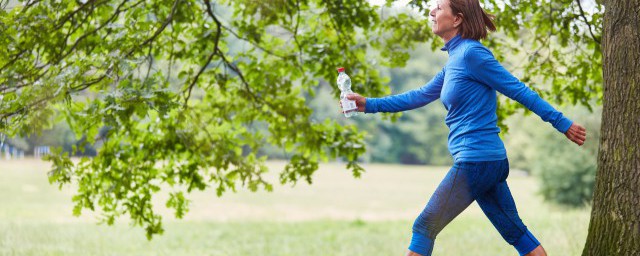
(337, 215)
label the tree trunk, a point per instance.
(615, 218)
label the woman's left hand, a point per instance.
(577, 134)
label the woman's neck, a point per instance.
(449, 36)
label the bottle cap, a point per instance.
(340, 69)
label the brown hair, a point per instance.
(475, 21)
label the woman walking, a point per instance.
(467, 87)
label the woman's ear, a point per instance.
(458, 20)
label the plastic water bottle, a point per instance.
(344, 84)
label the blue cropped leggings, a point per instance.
(484, 182)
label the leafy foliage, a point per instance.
(179, 84)
(570, 181)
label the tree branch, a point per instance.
(164, 25)
(113, 16)
(335, 25)
(218, 23)
(235, 68)
(584, 17)
(295, 36)
(28, 5)
(70, 15)
(15, 58)
(86, 85)
(63, 43)
(33, 104)
(213, 53)
(171, 56)
(195, 79)
(150, 62)
(36, 77)
(36, 103)
(255, 44)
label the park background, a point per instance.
(337, 214)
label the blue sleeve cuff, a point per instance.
(526, 244)
(421, 244)
(370, 106)
(564, 125)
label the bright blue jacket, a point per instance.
(467, 86)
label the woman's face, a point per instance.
(444, 22)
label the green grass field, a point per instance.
(337, 215)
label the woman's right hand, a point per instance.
(577, 134)
(361, 102)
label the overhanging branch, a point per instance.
(584, 17)
(159, 30)
(255, 44)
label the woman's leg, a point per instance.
(450, 198)
(499, 206)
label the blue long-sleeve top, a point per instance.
(467, 87)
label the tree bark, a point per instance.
(615, 217)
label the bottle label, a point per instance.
(348, 105)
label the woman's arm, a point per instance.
(484, 68)
(409, 100)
